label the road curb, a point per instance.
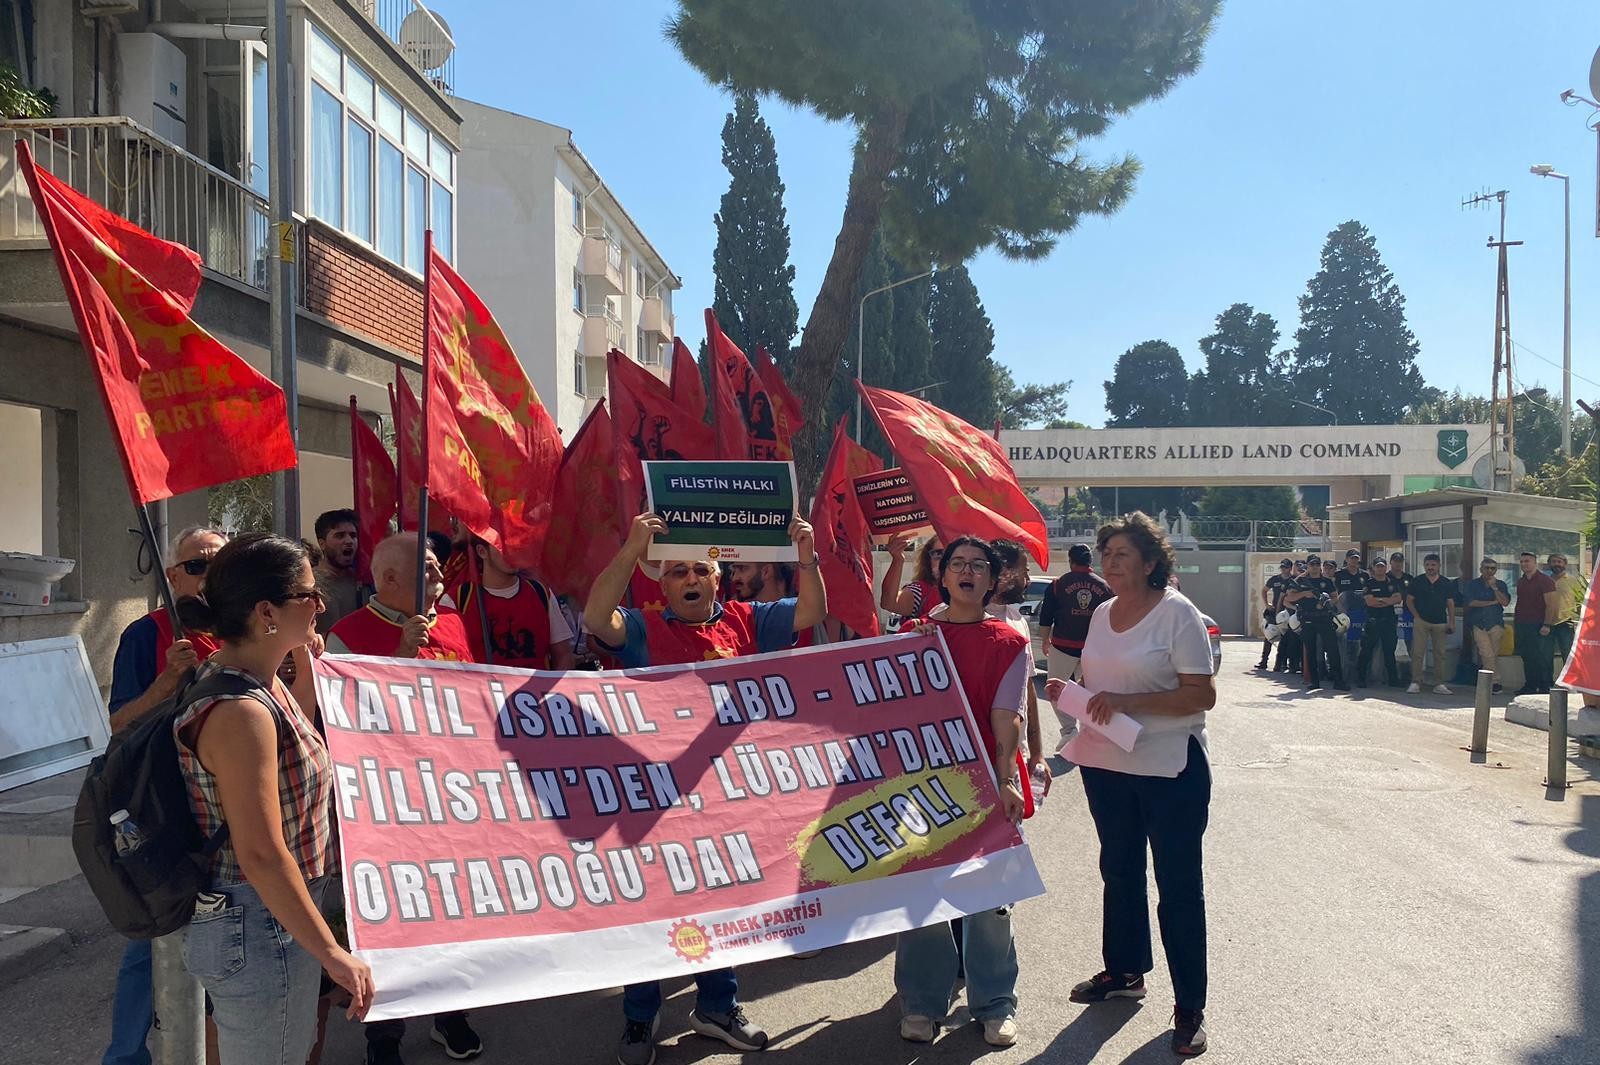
(23, 948)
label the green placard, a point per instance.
(724, 511)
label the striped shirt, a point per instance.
(305, 783)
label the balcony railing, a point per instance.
(148, 180)
(602, 329)
(422, 37)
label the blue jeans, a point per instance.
(263, 985)
(716, 992)
(131, 1007)
(925, 962)
(1169, 815)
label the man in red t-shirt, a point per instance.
(1534, 617)
(694, 627)
(389, 625)
(526, 627)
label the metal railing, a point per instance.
(1248, 534)
(422, 37)
(613, 248)
(613, 322)
(144, 178)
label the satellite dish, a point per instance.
(1483, 475)
(425, 39)
(1594, 75)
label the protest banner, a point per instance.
(510, 835)
(725, 511)
(890, 504)
(1581, 671)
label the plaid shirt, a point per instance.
(305, 782)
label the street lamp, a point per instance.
(1546, 170)
(1313, 406)
(861, 333)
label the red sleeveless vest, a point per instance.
(671, 642)
(520, 626)
(367, 632)
(204, 644)
(982, 652)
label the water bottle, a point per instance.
(125, 835)
(1036, 782)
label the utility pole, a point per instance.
(281, 249)
(1502, 413)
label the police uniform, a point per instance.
(1319, 636)
(1275, 587)
(1381, 630)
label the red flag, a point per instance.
(186, 412)
(843, 541)
(688, 389)
(375, 496)
(785, 404)
(648, 425)
(408, 446)
(492, 449)
(1582, 671)
(961, 473)
(747, 423)
(586, 524)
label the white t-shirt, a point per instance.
(1169, 640)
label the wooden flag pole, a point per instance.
(427, 361)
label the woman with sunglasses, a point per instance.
(992, 661)
(256, 764)
(922, 593)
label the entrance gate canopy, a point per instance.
(1241, 454)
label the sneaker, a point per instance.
(386, 1052)
(1188, 1032)
(1414, 689)
(638, 1046)
(733, 1028)
(1102, 986)
(1440, 689)
(918, 1028)
(1496, 688)
(456, 1036)
(1000, 1031)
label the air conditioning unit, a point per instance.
(107, 8)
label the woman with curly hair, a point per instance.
(921, 594)
(1147, 655)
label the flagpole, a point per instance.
(483, 604)
(281, 259)
(427, 361)
(399, 445)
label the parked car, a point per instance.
(1030, 610)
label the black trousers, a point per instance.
(1535, 651)
(1169, 815)
(1288, 652)
(1378, 636)
(1321, 642)
(393, 1031)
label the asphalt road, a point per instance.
(1374, 897)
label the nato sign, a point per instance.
(1452, 447)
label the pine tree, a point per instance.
(1353, 341)
(1243, 382)
(754, 294)
(963, 348)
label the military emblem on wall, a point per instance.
(1452, 447)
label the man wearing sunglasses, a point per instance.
(694, 627)
(149, 666)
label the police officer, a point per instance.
(1271, 598)
(1350, 580)
(1384, 595)
(1313, 600)
(1290, 646)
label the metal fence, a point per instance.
(1225, 533)
(422, 37)
(146, 179)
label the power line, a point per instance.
(1557, 365)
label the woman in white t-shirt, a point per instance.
(1148, 655)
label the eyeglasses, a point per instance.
(968, 565)
(680, 572)
(194, 567)
(314, 593)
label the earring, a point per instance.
(272, 630)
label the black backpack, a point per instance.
(151, 891)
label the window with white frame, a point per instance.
(580, 374)
(376, 171)
(577, 210)
(577, 290)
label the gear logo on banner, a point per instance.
(689, 940)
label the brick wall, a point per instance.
(358, 289)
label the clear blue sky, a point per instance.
(1301, 116)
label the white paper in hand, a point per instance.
(1121, 730)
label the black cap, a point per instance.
(1078, 555)
(1352, 553)
(1397, 556)
(1286, 563)
(1313, 560)
(1380, 562)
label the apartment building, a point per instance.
(568, 273)
(160, 114)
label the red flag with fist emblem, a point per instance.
(843, 540)
(376, 496)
